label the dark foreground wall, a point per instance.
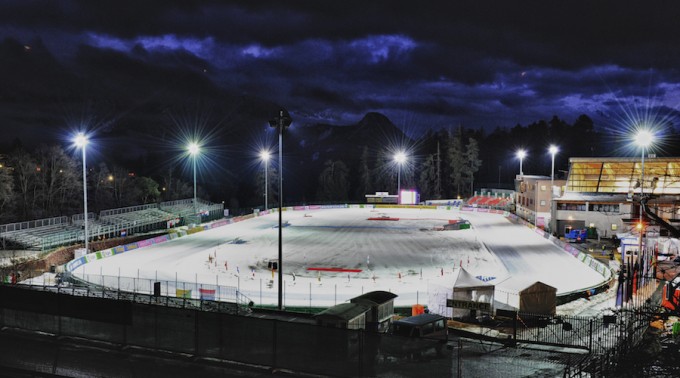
(128, 326)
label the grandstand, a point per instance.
(45, 234)
(491, 200)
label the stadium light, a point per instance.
(521, 154)
(644, 138)
(81, 142)
(400, 158)
(281, 122)
(194, 149)
(265, 155)
(553, 151)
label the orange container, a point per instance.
(417, 309)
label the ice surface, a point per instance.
(399, 256)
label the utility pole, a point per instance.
(438, 178)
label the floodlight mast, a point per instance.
(280, 122)
(400, 158)
(81, 141)
(553, 151)
(644, 138)
(194, 150)
(521, 154)
(264, 155)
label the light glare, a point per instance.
(521, 154)
(194, 148)
(400, 157)
(81, 140)
(644, 138)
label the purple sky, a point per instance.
(424, 65)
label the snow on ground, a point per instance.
(401, 256)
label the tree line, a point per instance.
(48, 182)
(440, 164)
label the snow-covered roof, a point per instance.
(591, 197)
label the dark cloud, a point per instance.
(477, 63)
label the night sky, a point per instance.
(113, 65)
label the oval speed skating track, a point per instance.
(332, 255)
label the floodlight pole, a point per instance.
(264, 155)
(553, 150)
(85, 200)
(521, 154)
(398, 181)
(281, 121)
(642, 188)
(194, 163)
(81, 141)
(643, 139)
(399, 158)
(194, 150)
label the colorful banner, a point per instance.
(206, 294)
(180, 293)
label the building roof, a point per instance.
(533, 177)
(377, 297)
(419, 319)
(592, 197)
(344, 311)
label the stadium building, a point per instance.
(533, 198)
(604, 194)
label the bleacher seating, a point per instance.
(489, 201)
(49, 233)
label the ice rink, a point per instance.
(332, 255)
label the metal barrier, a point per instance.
(125, 287)
(44, 234)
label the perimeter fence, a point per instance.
(624, 331)
(271, 340)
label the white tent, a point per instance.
(518, 294)
(460, 295)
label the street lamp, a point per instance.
(81, 141)
(644, 138)
(194, 149)
(553, 150)
(280, 122)
(265, 155)
(521, 154)
(400, 158)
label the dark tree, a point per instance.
(333, 182)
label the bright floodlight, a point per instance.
(265, 155)
(553, 149)
(644, 138)
(81, 140)
(400, 157)
(521, 154)
(193, 148)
